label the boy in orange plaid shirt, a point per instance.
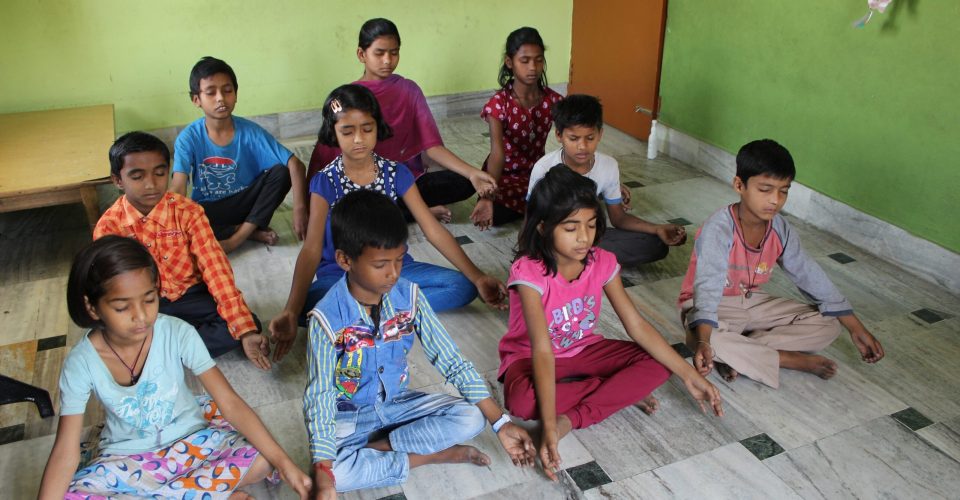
(196, 280)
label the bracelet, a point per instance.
(703, 342)
(503, 420)
(326, 470)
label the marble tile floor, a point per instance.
(886, 430)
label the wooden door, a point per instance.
(616, 51)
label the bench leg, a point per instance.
(91, 202)
(14, 391)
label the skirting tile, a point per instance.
(934, 263)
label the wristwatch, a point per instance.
(503, 420)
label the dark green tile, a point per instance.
(682, 350)
(762, 446)
(395, 496)
(51, 343)
(842, 258)
(463, 240)
(912, 419)
(627, 283)
(633, 184)
(589, 475)
(928, 315)
(680, 221)
(11, 434)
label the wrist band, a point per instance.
(703, 342)
(326, 470)
(503, 420)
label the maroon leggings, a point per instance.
(596, 383)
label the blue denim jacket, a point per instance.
(366, 360)
(347, 363)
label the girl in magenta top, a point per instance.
(553, 365)
(519, 115)
(415, 132)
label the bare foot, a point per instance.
(464, 454)
(459, 454)
(649, 405)
(726, 371)
(442, 213)
(240, 495)
(820, 366)
(268, 236)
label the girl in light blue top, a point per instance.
(158, 441)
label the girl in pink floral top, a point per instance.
(553, 364)
(519, 115)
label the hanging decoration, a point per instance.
(872, 6)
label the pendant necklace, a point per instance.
(751, 270)
(130, 368)
(374, 315)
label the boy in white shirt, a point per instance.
(578, 120)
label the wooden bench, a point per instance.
(55, 157)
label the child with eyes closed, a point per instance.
(553, 366)
(519, 117)
(353, 121)
(416, 136)
(159, 440)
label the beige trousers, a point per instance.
(752, 330)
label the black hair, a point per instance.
(350, 96)
(516, 39)
(765, 157)
(207, 67)
(560, 193)
(376, 28)
(577, 109)
(366, 218)
(95, 266)
(135, 142)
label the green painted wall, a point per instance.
(871, 115)
(287, 54)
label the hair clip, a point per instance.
(335, 106)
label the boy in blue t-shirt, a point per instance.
(240, 173)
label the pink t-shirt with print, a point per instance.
(571, 308)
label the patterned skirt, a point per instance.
(207, 464)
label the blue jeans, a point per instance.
(444, 288)
(414, 422)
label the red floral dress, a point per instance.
(524, 139)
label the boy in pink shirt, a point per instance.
(728, 318)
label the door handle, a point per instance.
(640, 109)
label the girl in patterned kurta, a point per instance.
(519, 115)
(158, 441)
(352, 120)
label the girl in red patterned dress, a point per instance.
(519, 115)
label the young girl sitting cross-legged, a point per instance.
(159, 440)
(552, 364)
(352, 120)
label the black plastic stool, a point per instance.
(14, 391)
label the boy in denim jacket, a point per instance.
(359, 337)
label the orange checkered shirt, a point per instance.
(178, 235)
